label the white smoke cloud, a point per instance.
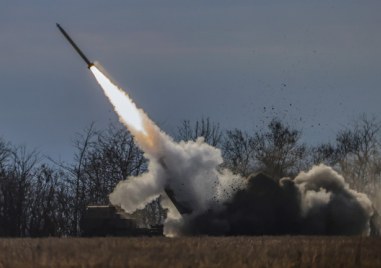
(136, 192)
(188, 169)
(325, 192)
(318, 184)
(312, 199)
(191, 171)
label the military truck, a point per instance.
(109, 220)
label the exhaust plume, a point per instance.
(189, 169)
(123, 105)
(222, 203)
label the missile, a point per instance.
(182, 207)
(89, 64)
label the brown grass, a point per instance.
(192, 252)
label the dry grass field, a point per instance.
(285, 251)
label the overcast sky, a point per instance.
(238, 62)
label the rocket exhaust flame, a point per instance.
(126, 109)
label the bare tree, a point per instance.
(325, 153)
(17, 174)
(48, 213)
(238, 152)
(359, 153)
(201, 128)
(4, 152)
(82, 144)
(278, 151)
(113, 157)
(33, 200)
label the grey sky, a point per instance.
(307, 62)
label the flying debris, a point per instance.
(89, 64)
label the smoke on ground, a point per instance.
(317, 202)
(190, 170)
(221, 203)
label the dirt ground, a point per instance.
(284, 251)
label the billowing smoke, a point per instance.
(189, 170)
(317, 202)
(218, 202)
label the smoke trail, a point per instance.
(189, 169)
(221, 203)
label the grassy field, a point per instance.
(282, 251)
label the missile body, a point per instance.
(182, 207)
(89, 64)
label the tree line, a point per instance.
(43, 197)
